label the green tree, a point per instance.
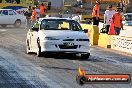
(7, 1)
(0, 1)
(18, 1)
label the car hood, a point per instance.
(20, 15)
(64, 34)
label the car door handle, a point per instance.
(31, 34)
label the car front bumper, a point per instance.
(60, 47)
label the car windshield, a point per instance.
(60, 24)
(128, 17)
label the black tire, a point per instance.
(81, 80)
(39, 53)
(46, 54)
(28, 48)
(3, 25)
(72, 55)
(85, 56)
(17, 23)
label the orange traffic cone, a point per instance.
(111, 29)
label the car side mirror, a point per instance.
(35, 29)
(85, 30)
(35, 26)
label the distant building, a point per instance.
(61, 3)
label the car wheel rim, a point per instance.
(18, 23)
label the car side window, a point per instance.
(74, 26)
(11, 12)
(4, 12)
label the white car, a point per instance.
(11, 17)
(127, 19)
(56, 35)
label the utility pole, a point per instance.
(91, 2)
(129, 1)
(129, 7)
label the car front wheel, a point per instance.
(85, 56)
(39, 53)
(17, 23)
(28, 48)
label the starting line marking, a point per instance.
(2, 30)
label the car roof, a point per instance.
(57, 18)
(5, 9)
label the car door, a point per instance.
(28, 41)
(33, 38)
(12, 17)
(4, 17)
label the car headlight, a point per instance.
(51, 38)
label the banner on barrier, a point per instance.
(17, 7)
(121, 43)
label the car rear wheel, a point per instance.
(39, 52)
(72, 54)
(17, 23)
(85, 56)
(3, 25)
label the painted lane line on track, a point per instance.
(3, 30)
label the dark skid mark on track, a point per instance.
(124, 60)
(7, 81)
(9, 78)
(66, 69)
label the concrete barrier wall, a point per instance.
(127, 32)
(123, 44)
(93, 33)
(104, 40)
